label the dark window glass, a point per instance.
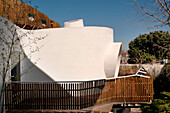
(15, 73)
(30, 15)
(51, 23)
(43, 22)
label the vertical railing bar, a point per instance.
(19, 94)
(47, 96)
(50, 102)
(42, 105)
(27, 91)
(43, 95)
(35, 87)
(73, 95)
(57, 96)
(65, 96)
(46, 99)
(68, 96)
(10, 104)
(37, 97)
(61, 87)
(8, 96)
(32, 101)
(32, 96)
(42, 89)
(53, 95)
(79, 86)
(87, 96)
(83, 93)
(25, 95)
(90, 92)
(94, 86)
(75, 90)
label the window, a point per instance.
(51, 23)
(30, 16)
(43, 22)
(15, 73)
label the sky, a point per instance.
(116, 14)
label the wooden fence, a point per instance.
(128, 90)
(77, 95)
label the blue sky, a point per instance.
(116, 14)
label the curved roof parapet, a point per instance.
(74, 23)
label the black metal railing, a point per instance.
(52, 95)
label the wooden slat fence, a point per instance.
(76, 95)
(128, 89)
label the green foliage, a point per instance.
(162, 82)
(161, 105)
(147, 47)
(161, 102)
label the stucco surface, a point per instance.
(76, 54)
(72, 53)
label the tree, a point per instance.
(155, 13)
(147, 47)
(161, 102)
(159, 105)
(11, 51)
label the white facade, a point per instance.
(72, 53)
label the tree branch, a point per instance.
(164, 7)
(166, 4)
(150, 14)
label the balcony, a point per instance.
(77, 95)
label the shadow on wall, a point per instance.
(162, 82)
(31, 73)
(39, 91)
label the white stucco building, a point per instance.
(72, 53)
(73, 67)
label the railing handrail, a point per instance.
(56, 81)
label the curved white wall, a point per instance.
(112, 60)
(72, 53)
(74, 23)
(76, 53)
